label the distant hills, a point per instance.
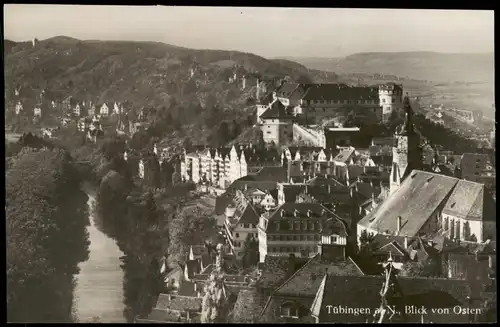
(431, 66)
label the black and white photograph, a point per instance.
(211, 164)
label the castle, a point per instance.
(281, 111)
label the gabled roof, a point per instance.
(286, 89)
(160, 316)
(267, 99)
(392, 247)
(306, 280)
(344, 155)
(469, 201)
(249, 216)
(415, 201)
(277, 110)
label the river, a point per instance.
(99, 290)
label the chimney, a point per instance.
(309, 213)
(406, 242)
(169, 297)
(329, 189)
(399, 223)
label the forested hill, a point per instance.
(141, 73)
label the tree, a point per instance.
(366, 254)
(234, 130)
(250, 252)
(43, 246)
(427, 268)
(367, 243)
(215, 300)
(187, 144)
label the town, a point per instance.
(352, 203)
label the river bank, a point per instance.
(99, 289)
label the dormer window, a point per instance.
(289, 310)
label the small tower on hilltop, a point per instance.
(34, 42)
(406, 152)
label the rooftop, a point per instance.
(415, 201)
(277, 110)
(470, 201)
(340, 92)
(178, 303)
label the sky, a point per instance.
(269, 32)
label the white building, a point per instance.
(141, 169)
(104, 110)
(220, 166)
(37, 111)
(19, 107)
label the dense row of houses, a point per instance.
(307, 208)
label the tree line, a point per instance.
(46, 220)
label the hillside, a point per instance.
(432, 66)
(182, 81)
(142, 73)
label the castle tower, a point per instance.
(406, 153)
(34, 42)
(390, 99)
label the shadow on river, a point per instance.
(99, 290)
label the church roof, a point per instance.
(414, 201)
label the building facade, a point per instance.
(218, 166)
(296, 228)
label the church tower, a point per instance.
(406, 153)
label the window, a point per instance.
(289, 309)
(289, 237)
(383, 100)
(296, 238)
(393, 100)
(333, 239)
(237, 235)
(311, 225)
(268, 132)
(324, 109)
(246, 225)
(297, 225)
